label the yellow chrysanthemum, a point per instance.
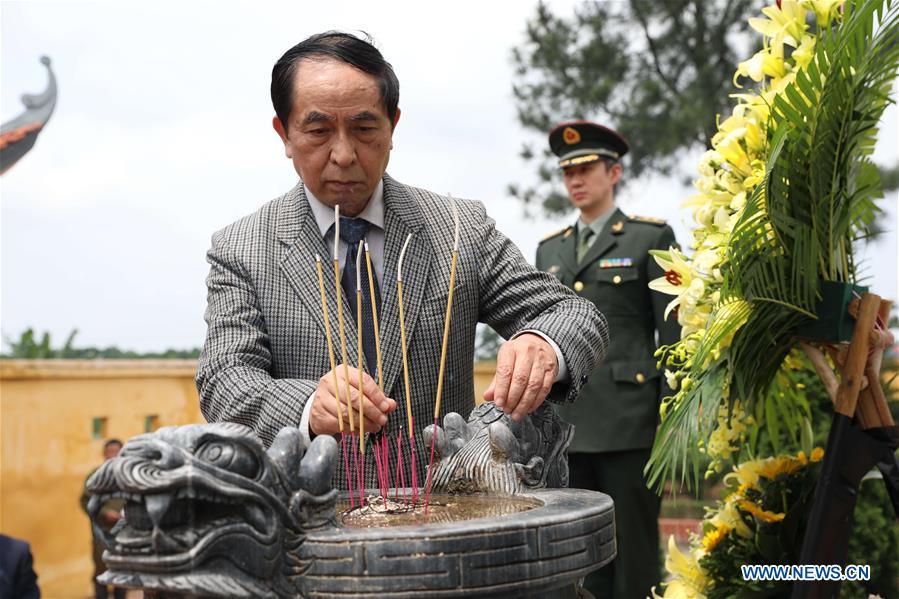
(771, 468)
(763, 515)
(711, 539)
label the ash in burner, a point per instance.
(443, 508)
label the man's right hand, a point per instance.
(324, 413)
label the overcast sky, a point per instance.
(162, 135)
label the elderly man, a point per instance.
(265, 362)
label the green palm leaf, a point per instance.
(797, 229)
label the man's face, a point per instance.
(112, 450)
(338, 134)
(590, 186)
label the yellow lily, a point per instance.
(804, 53)
(689, 578)
(727, 515)
(786, 24)
(825, 10)
(763, 63)
(730, 148)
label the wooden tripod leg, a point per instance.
(865, 412)
(828, 378)
(875, 397)
(854, 370)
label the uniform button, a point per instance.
(578, 286)
(616, 279)
(640, 378)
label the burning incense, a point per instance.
(446, 328)
(383, 469)
(340, 323)
(385, 461)
(408, 387)
(374, 316)
(343, 353)
(399, 467)
(361, 355)
(359, 351)
(321, 289)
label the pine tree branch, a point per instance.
(654, 51)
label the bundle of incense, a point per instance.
(321, 289)
(409, 419)
(446, 328)
(343, 352)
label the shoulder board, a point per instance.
(648, 219)
(556, 234)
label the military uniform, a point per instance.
(617, 411)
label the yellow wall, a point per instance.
(47, 409)
(46, 413)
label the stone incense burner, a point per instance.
(211, 513)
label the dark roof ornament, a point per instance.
(18, 135)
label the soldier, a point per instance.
(605, 258)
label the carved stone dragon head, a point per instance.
(209, 511)
(493, 453)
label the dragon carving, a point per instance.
(493, 453)
(210, 512)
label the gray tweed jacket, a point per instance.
(266, 349)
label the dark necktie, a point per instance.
(584, 241)
(352, 231)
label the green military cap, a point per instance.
(580, 142)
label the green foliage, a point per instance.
(818, 196)
(487, 344)
(797, 230)
(659, 72)
(874, 541)
(28, 347)
(786, 412)
(770, 542)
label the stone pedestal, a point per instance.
(531, 553)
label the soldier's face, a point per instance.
(338, 135)
(590, 186)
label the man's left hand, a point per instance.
(526, 367)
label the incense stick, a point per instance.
(338, 288)
(338, 291)
(330, 340)
(383, 470)
(408, 387)
(446, 329)
(361, 355)
(321, 289)
(374, 316)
